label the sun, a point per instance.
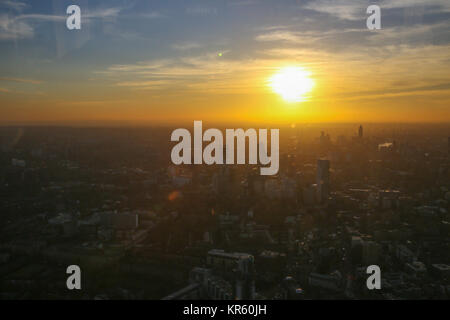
(292, 83)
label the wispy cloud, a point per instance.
(242, 3)
(146, 85)
(206, 73)
(14, 5)
(186, 46)
(22, 80)
(22, 26)
(356, 10)
(99, 13)
(282, 35)
(152, 15)
(344, 9)
(12, 29)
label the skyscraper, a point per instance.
(360, 132)
(323, 180)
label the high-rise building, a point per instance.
(240, 266)
(323, 180)
(360, 132)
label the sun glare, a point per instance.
(292, 83)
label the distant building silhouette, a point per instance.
(323, 179)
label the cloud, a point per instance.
(340, 74)
(353, 10)
(202, 73)
(11, 29)
(344, 9)
(14, 5)
(393, 4)
(186, 46)
(312, 39)
(19, 88)
(22, 26)
(282, 35)
(22, 80)
(421, 33)
(442, 89)
(319, 37)
(152, 15)
(89, 15)
(242, 3)
(103, 13)
(146, 85)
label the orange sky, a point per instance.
(112, 70)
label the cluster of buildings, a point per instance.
(142, 228)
